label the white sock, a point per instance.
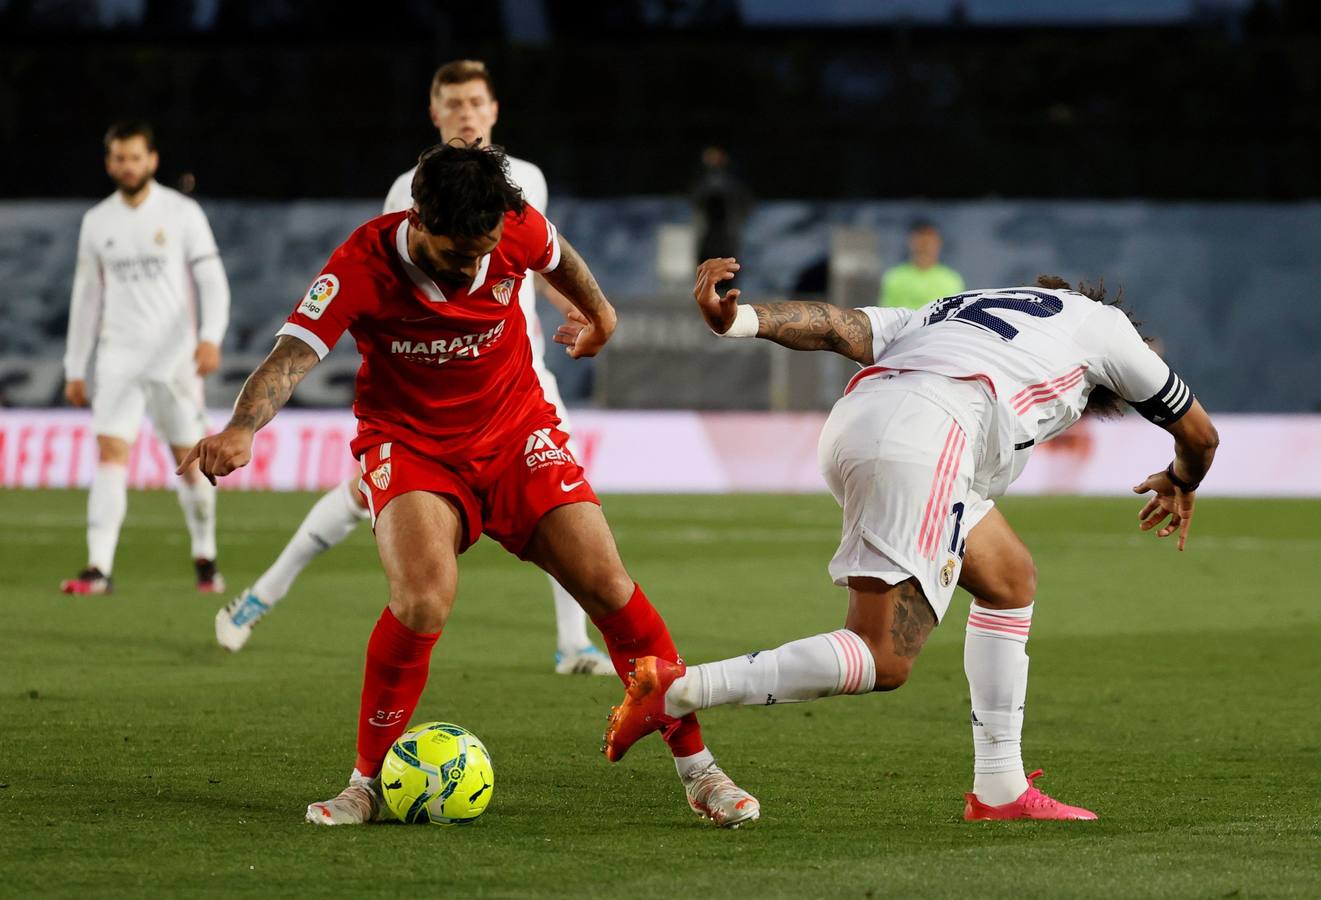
(570, 621)
(198, 501)
(107, 502)
(330, 521)
(688, 766)
(995, 660)
(820, 666)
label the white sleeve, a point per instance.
(209, 276)
(886, 323)
(400, 197)
(84, 308)
(1133, 371)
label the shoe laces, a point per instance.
(1035, 796)
(709, 781)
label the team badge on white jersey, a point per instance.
(319, 295)
(504, 291)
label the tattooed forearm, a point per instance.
(806, 325)
(913, 620)
(270, 386)
(575, 281)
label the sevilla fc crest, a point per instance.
(380, 476)
(504, 291)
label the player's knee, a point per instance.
(421, 604)
(1015, 589)
(891, 671)
(111, 450)
(602, 589)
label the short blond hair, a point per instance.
(461, 71)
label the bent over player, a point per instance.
(462, 106)
(943, 417)
(141, 253)
(455, 438)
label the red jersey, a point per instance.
(445, 371)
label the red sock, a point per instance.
(638, 630)
(398, 660)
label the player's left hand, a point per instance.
(1169, 502)
(207, 358)
(582, 337)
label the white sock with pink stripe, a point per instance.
(995, 660)
(820, 666)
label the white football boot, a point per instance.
(587, 661)
(714, 795)
(235, 620)
(357, 804)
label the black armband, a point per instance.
(1167, 405)
(1186, 486)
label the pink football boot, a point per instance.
(1032, 804)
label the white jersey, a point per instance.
(1039, 352)
(133, 288)
(530, 180)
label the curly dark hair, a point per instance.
(1102, 402)
(463, 190)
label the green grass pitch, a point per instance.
(1177, 695)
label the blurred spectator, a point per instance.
(923, 278)
(721, 204)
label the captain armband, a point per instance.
(745, 325)
(1167, 405)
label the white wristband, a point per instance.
(745, 324)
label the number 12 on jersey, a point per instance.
(971, 309)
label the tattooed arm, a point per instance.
(264, 393)
(592, 321)
(796, 324)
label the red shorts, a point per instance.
(505, 498)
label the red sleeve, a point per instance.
(330, 304)
(541, 240)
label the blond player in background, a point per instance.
(462, 106)
(142, 252)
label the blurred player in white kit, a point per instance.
(462, 106)
(142, 253)
(943, 416)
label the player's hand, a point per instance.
(580, 336)
(717, 310)
(1169, 502)
(218, 455)
(207, 358)
(75, 391)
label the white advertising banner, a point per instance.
(687, 452)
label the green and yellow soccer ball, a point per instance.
(438, 773)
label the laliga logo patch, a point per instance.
(504, 291)
(319, 295)
(947, 573)
(380, 476)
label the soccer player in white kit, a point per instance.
(462, 106)
(942, 418)
(142, 253)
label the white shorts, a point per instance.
(175, 407)
(899, 452)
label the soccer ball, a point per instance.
(438, 773)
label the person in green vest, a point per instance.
(923, 278)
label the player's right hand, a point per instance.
(717, 310)
(75, 391)
(219, 454)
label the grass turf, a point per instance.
(1177, 695)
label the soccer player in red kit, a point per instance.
(455, 438)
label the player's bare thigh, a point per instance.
(417, 537)
(997, 566)
(573, 544)
(894, 620)
(112, 450)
